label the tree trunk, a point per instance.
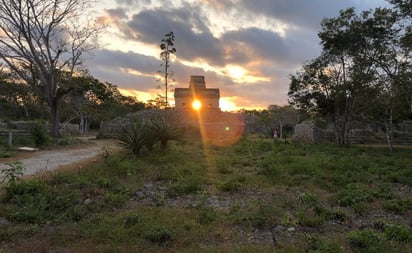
(342, 128)
(54, 118)
(389, 128)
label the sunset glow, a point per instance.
(248, 53)
(236, 72)
(226, 105)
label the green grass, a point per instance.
(255, 196)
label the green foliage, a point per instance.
(61, 199)
(318, 190)
(355, 196)
(398, 206)
(166, 127)
(160, 235)
(255, 214)
(12, 174)
(184, 187)
(399, 233)
(318, 245)
(162, 127)
(40, 134)
(232, 185)
(138, 134)
(132, 220)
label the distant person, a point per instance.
(275, 134)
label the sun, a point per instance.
(196, 105)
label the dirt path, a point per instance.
(50, 160)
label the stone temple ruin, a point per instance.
(209, 98)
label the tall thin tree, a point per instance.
(167, 47)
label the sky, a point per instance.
(246, 48)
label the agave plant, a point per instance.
(166, 126)
(137, 135)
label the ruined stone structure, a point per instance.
(209, 98)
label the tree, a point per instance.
(167, 47)
(92, 101)
(366, 57)
(39, 40)
(336, 84)
(384, 35)
(17, 100)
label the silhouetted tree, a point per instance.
(39, 40)
(167, 47)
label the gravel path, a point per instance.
(49, 160)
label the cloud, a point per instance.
(271, 39)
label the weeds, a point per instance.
(12, 174)
(214, 199)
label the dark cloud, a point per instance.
(256, 47)
(253, 43)
(118, 13)
(193, 38)
(301, 13)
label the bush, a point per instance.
(365, 240)
(12, 174)
(399, 233)
(40, 134)
(160, 235)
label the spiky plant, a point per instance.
(137, 135)
(166, 127)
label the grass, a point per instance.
(255, 196)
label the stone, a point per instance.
(4, 222)
(291, 229)
(279, 228)
(148, 186)
(87, 201)
(139, 194)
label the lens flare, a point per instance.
(226, 130)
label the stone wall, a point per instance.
(113, 128)
(69, 129)
(308, 132)
(304, 133)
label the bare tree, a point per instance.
(39, 40)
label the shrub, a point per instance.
(40, 134)
(13, 173)
(399, 233)
(232, 185)
(183, 187)
(398, 206)
(132, 220)
(365, 240)
(159, 235)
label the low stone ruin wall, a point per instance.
(64, 129)
(111, 129)
(69, 129)
(308, 132)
